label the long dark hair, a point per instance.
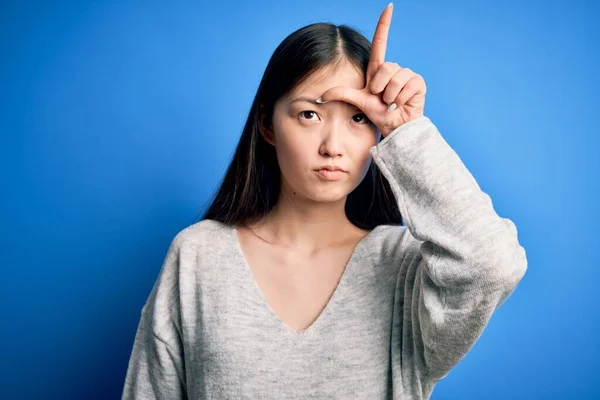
(251, 184)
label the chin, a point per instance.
(330, 195)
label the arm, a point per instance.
(468, 259)
(156, 368)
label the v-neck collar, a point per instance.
(349, 269)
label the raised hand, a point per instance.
(392, 95)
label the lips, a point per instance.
(331, 168)
(331, 173)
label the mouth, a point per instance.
(331, 173)
(331, 168)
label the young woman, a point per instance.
(301, 281)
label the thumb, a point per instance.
(350, 95)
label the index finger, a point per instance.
(380, 38)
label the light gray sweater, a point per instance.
(411, 303)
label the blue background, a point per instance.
(118, 120)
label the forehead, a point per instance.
(343, 74)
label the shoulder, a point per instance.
(390, 244)
(198, 247)
(190, 259)
(202, 233)
(203, 240)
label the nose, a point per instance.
(332, 143)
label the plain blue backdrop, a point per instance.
(118, 121)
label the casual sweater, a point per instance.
(412, 300)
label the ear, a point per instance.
(264, 126)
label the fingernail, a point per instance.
(320, 101)
(391, 5)
(392, 107)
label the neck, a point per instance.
(307, 225)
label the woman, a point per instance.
(300, 280)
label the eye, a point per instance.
(308, 114)
(363, 119)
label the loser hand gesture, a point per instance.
(392, 95)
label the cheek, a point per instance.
(363, 151)
(364, 166)
(292, 154)
(287, 158)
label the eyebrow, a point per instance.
(305, 98)
(313, 101)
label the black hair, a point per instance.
(251, 185)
